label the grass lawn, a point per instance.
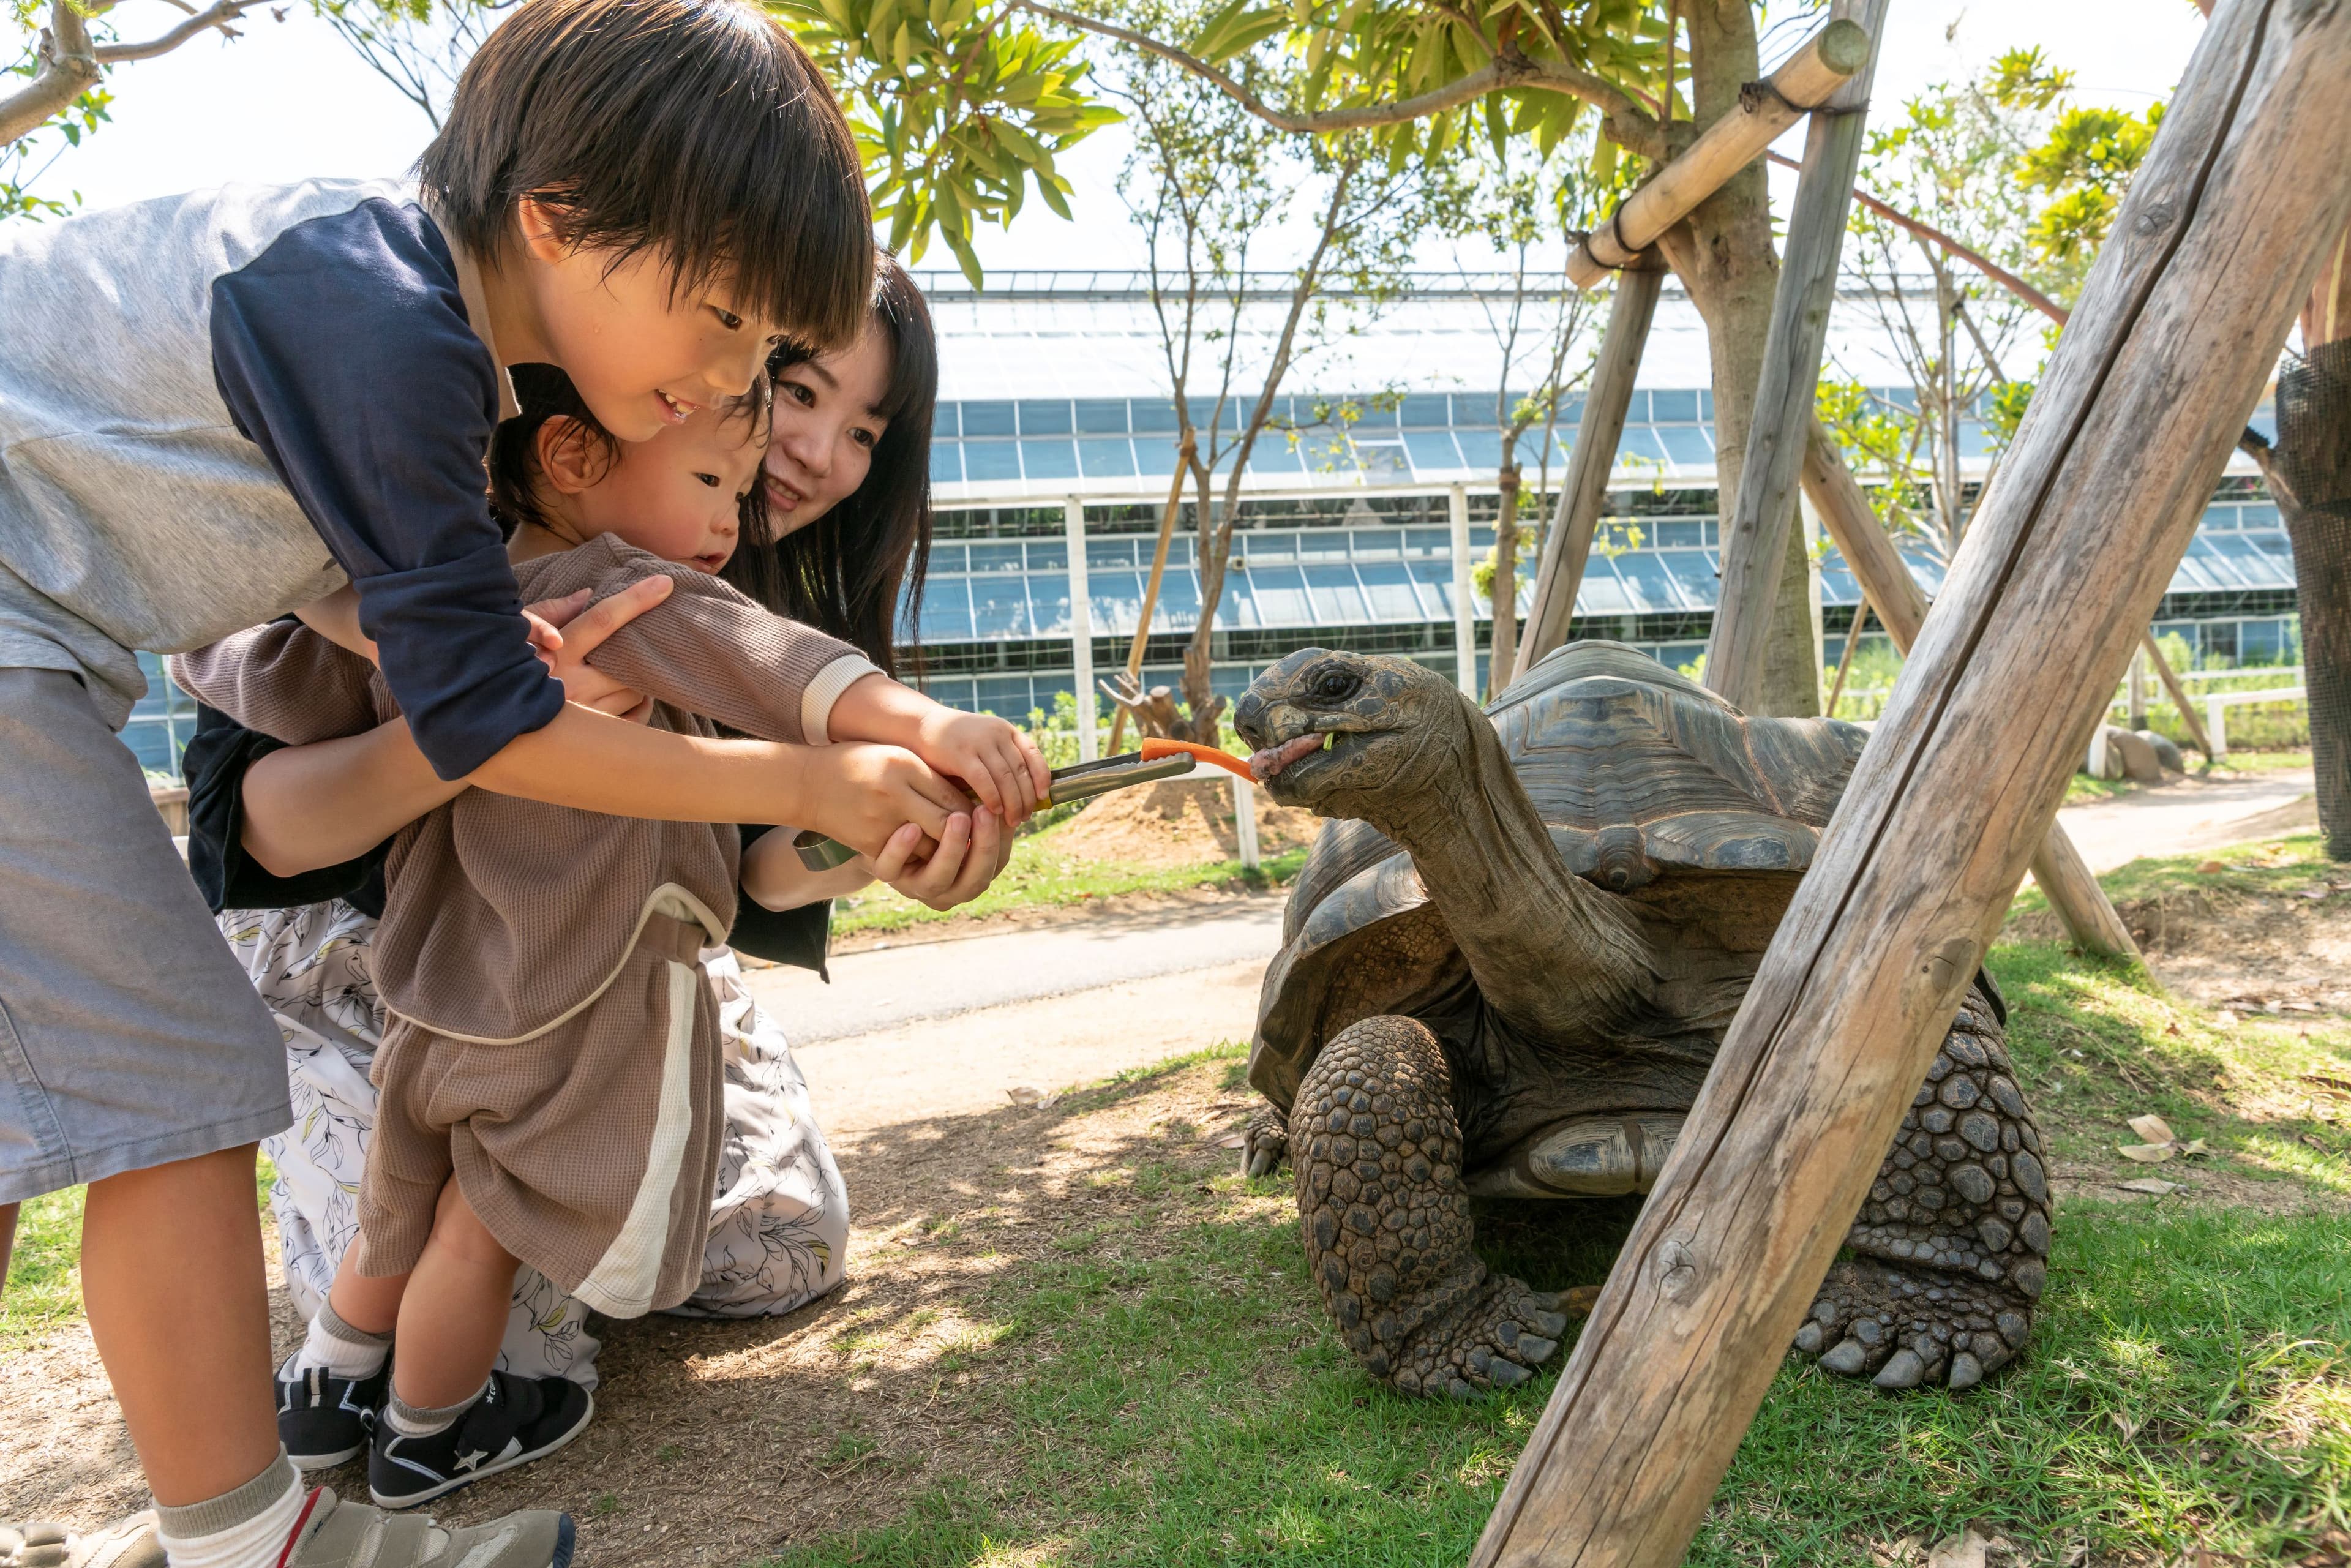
(44, 1284)
(1159, 1386)
(1040, 876)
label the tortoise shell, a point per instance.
(1640, 773)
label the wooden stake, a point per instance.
(1151, 587)
(2179, 697)
(1583, 491)
(2185, 313)
(1820, 64)
(1845, 661)
(2088, 916)
(1755, 536)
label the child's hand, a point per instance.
(967, 857)
(999, 763)
(861, 795)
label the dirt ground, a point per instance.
(1179, 822)
(2248, 952)
(721, 1442)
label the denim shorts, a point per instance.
(128, 1035)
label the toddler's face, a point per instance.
(643, 358)
(679, 494)
(826, 430)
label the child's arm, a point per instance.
(710, 650)
(283, 680)
(997, 760)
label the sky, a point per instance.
(289, 101)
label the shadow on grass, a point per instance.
(1159, 1385)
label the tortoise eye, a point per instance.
(1334, 685)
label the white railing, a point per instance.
(2218, 704)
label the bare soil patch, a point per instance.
(2231, 947)
(1178, 821)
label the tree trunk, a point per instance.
(1505, 658)
(1200, 692)
(2313, 459)
(1723, 254)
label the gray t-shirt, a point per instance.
(215, 408)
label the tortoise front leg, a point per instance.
(1387, 1220)
(1265, 1143)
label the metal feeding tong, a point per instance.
(1078, 781)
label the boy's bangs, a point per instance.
(696, 128)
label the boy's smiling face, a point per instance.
(645, 356)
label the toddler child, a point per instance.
(548, 1082)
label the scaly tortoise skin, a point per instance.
(1506, 968)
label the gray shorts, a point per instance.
(128, 1036)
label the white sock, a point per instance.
(418, 1421)
(243, 1529)
(339, 1348)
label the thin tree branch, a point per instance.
(1628, 123)
(1977, 259)
(218, 16)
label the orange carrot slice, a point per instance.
(1154, 748)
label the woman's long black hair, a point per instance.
(849, 571)
(843, 573)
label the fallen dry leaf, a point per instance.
(2317, 892)
(2162, 1143)
(2146, 1154)
(1965, 1549)
(2149, 1184)
(1035, 1098)
(2206, 868)
(2154, 1129)
(1232, 1141)
(2224, 1019)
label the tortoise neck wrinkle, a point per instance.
(1486, 857)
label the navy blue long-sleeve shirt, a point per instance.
(219, 407)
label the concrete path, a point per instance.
(2191, 814)
(923, 1029)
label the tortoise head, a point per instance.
(1343, 734)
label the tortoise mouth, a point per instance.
(1267, 764)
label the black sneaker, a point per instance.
(324, 1419)
(516, 1420)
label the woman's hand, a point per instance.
(566, 631)
(864, 794)
(973, 849)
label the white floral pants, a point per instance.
(779, 1220)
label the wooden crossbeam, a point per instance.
(2247, 183)
(1814, 71)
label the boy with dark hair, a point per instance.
(220, 407)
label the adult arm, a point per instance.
(218, 758)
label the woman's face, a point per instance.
(826, 429)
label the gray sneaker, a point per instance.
(129, 1544)
(332, 1533)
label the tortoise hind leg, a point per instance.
(1387, 1220)
(1948, 1249)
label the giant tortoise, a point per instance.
(1505, 971)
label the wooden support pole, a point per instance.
(2179, 698)
(1755, 536)
(2064, 878)
(1820, 64)
(1845, 661)
(1584, 489)
(1465, 593)
(1081, 623)
(2179, 327)
(1151, 586)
